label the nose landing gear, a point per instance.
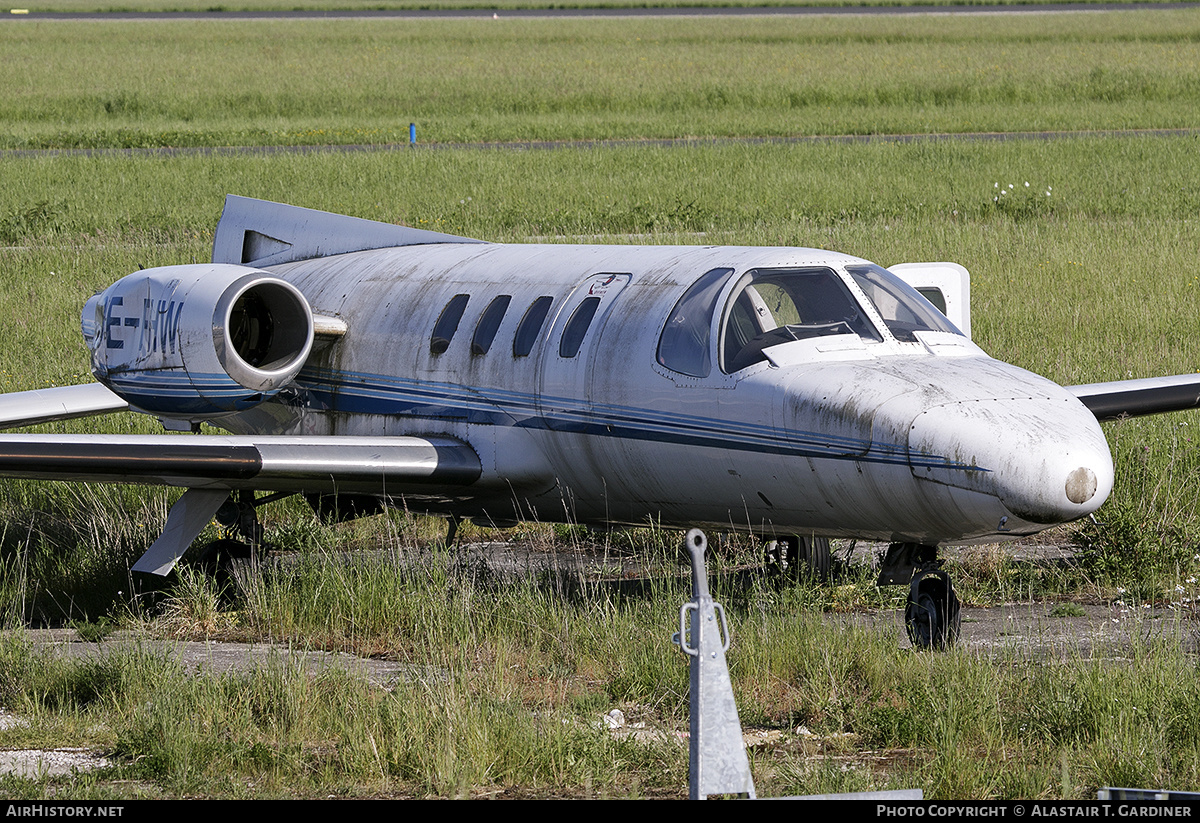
(932, 614)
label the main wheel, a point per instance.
(800, 557)
(814, 557)
(217, 560)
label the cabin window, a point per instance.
(531, 326)
(577, 327)
(774, 306)
(901, 307)
(684, 344)
(447, 323)
(489, 324)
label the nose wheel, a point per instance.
(932, 614)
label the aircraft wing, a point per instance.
(1131, 398)
(375, 465)
(372, 465)
(27, 408)
(211, 466)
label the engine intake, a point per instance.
(198, 341)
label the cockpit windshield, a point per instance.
(773, 306)
(768, 307)
(903, 309)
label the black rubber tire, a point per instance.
(217, 558)
(801, 558)
(932, 616)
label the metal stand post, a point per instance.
(717, 755)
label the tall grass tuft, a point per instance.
(1147, 538)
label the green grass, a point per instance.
(505, 684)
(1106, 258)
(218, 83)
(68, 6)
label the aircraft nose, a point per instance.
(1044, 458)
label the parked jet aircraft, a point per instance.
(797, 394)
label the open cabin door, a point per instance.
(946, 285)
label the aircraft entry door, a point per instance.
(570, 355)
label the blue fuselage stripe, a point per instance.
(355, 393)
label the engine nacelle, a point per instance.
(197, 341)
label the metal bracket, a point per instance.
(717, 753)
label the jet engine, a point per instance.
(197, 341)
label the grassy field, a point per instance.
(89, 84)
(69, 6)
(1051, 276)
(510, 678)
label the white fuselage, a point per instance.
(927, 441)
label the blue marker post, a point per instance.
(412, 134)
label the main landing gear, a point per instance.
(799, 558)
(242, 537)
(932, 614)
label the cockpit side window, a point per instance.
(773, 306)
(684, 344)
(903, 309)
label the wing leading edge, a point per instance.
(211, 466)
(1133, 398)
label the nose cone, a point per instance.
(1044, 459)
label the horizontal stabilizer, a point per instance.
(261, 233)
(1131, 398)
(28, 408)
(366, 465)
